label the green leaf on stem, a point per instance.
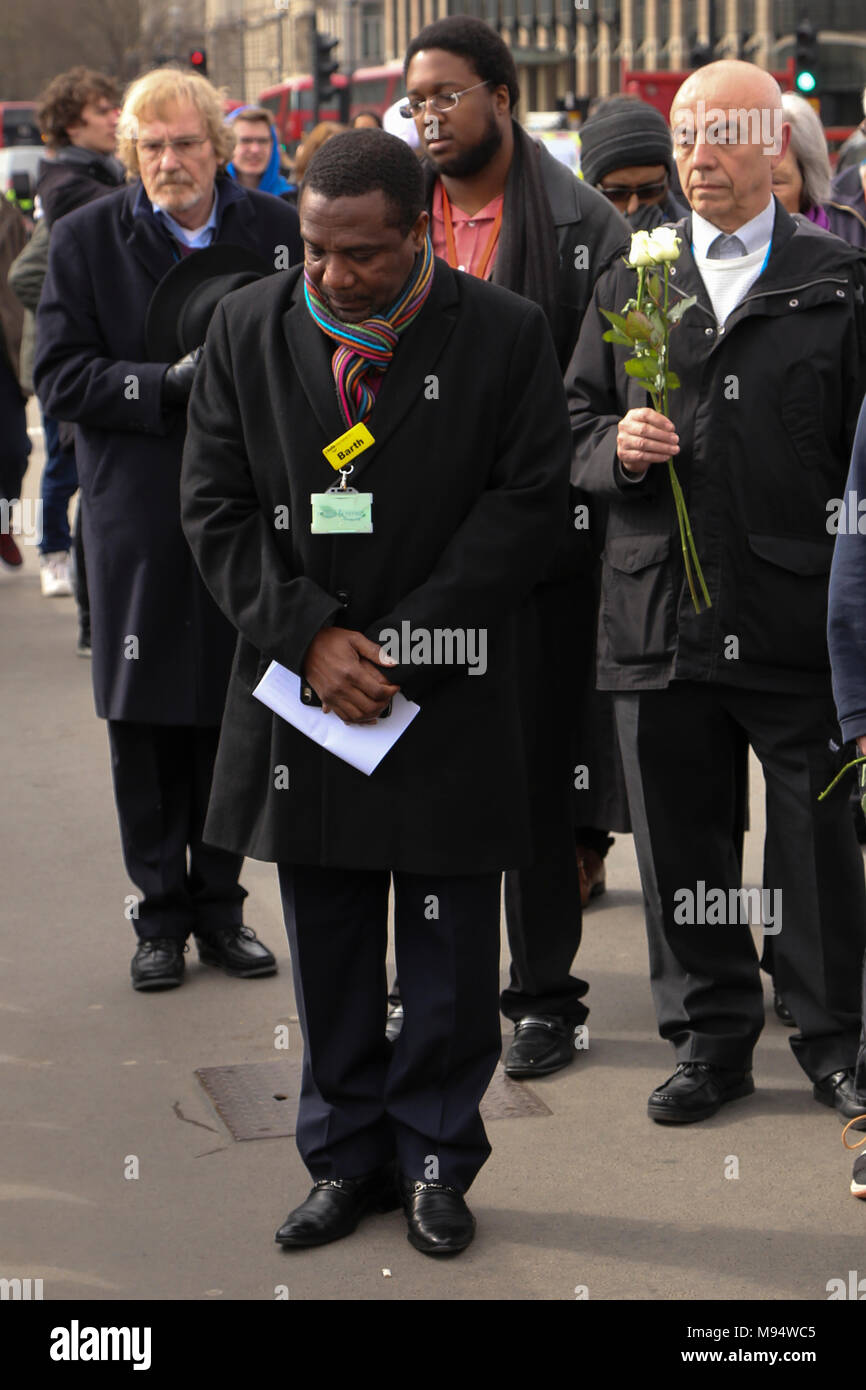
(646, 368)
(639, 326)
(616, 319)
(614, 336)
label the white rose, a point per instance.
(640, 250)
(664, 244)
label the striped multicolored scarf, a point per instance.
(368, 347)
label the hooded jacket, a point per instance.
(765, 414)
(271, 180)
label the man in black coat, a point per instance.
(501, 207)
(78, 114)
(469, 486)
(161, 649)
(772, 361)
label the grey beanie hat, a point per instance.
(623, 131)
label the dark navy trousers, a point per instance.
(363, 1100)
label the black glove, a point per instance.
(177, 382)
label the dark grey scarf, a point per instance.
(527, 257)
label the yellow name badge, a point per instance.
(346, 447)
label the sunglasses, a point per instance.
(621, 193)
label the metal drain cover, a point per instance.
(259, 1100)
(510, 1100)
(256, 1100)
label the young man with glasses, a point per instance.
(503, 209)
(256, 160)
(161, 649)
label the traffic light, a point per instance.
(198, 61)
(806, 58)
(324, 67)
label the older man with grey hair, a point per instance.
(771, 358)
(162, 651)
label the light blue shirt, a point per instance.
(203, 236)
(754, 235)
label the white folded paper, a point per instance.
(362, 745)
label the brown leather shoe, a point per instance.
(590, 866)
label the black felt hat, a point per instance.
(184, 301)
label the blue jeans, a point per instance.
(59, 482)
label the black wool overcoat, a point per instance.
(469, 476)
(162, 651)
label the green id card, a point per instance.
(342, 512)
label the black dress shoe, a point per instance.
(440, 1223)
(783, 1013)
(237, 950)
(696, 1091)
(541, 1045)
(158, 963)
(336, 1205)
(837, 1090)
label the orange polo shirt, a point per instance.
(471, 234)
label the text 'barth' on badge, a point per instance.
(346, 447)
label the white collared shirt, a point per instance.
(754, 234)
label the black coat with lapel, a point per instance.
(469, 485)
(161, 649)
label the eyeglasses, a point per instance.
(442, 101)
(184, 145)
(644, 192)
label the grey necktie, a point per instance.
(725, 248)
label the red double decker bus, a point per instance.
(291, 102)
(659, 89)
(291, 108)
